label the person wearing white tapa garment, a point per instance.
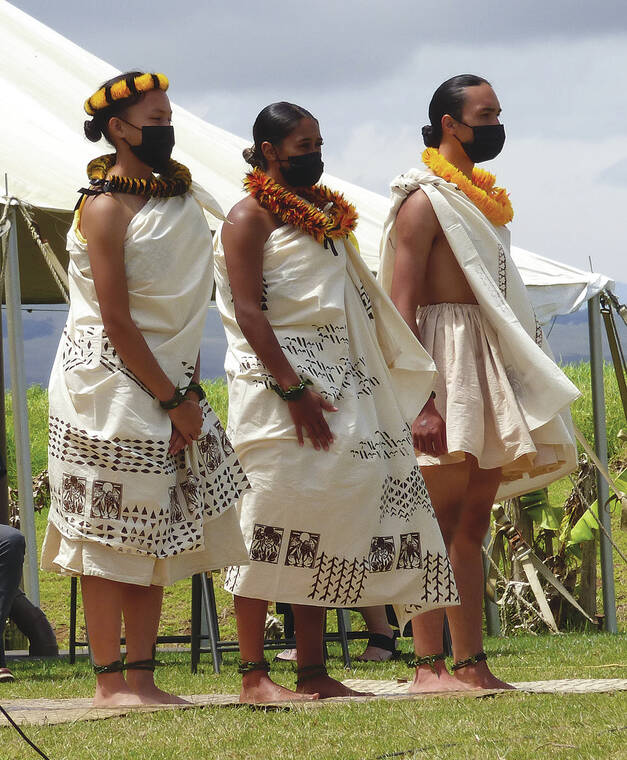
(324, 380)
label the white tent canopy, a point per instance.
(556, 288)
(44, 79)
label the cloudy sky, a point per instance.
(368, 69)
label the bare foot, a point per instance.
(287, 655)
(141, 683)
(375, 654)
(117, 699)
(156, 696)
(326, 687)
(478, 676)
(113, 691)
(258, 688)
(428, 681)
(381, 647)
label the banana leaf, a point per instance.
(536, 504)
(585, 528)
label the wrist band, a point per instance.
(179, 396)
(176, 400)
(294, 392)
(197, 388)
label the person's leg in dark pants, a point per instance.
(12, 547)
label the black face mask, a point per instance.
(487, 144)
(304, 170)
(156, 146)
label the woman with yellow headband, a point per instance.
(142, 475)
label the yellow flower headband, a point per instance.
(125, 88)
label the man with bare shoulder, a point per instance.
(498, 425)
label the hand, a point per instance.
(187, 420)
(307, 413)
(429, 431)
(177, 442)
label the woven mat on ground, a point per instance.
(564, 686)
(39, 712)
(54, 711)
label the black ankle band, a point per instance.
(113, 667)
(429, 659)
(308, 672)
(141, 665)
(481, 657)
(250, 666)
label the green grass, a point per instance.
(579, 374)
(509, 726)
(37, 402)
(512, 726)
(55, 589)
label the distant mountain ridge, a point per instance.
(567, 335)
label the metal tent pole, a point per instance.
(492, 619)
(600, 445)
(4, 479)
(20, 411)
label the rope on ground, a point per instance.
(22, 734)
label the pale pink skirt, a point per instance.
(475, 397)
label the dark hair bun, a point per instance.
(93, 130)
(429, 137)
(250, 156)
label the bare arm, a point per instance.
(104, 225)
(243, 242)
(416, 230)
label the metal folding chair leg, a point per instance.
(342, 628)
(209, 603)
(73, 605)
(196, 615)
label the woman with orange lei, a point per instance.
(324, 380)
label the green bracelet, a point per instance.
(179, 396)
(294, 392)
(176, 400)
(197, 388)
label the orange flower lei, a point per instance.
(493, 202)
(307, 214)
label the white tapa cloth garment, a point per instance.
(353, 526)
(541, 389)
(112, 480)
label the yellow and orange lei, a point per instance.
(307, 215)
(493, 202)
(176, 180)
